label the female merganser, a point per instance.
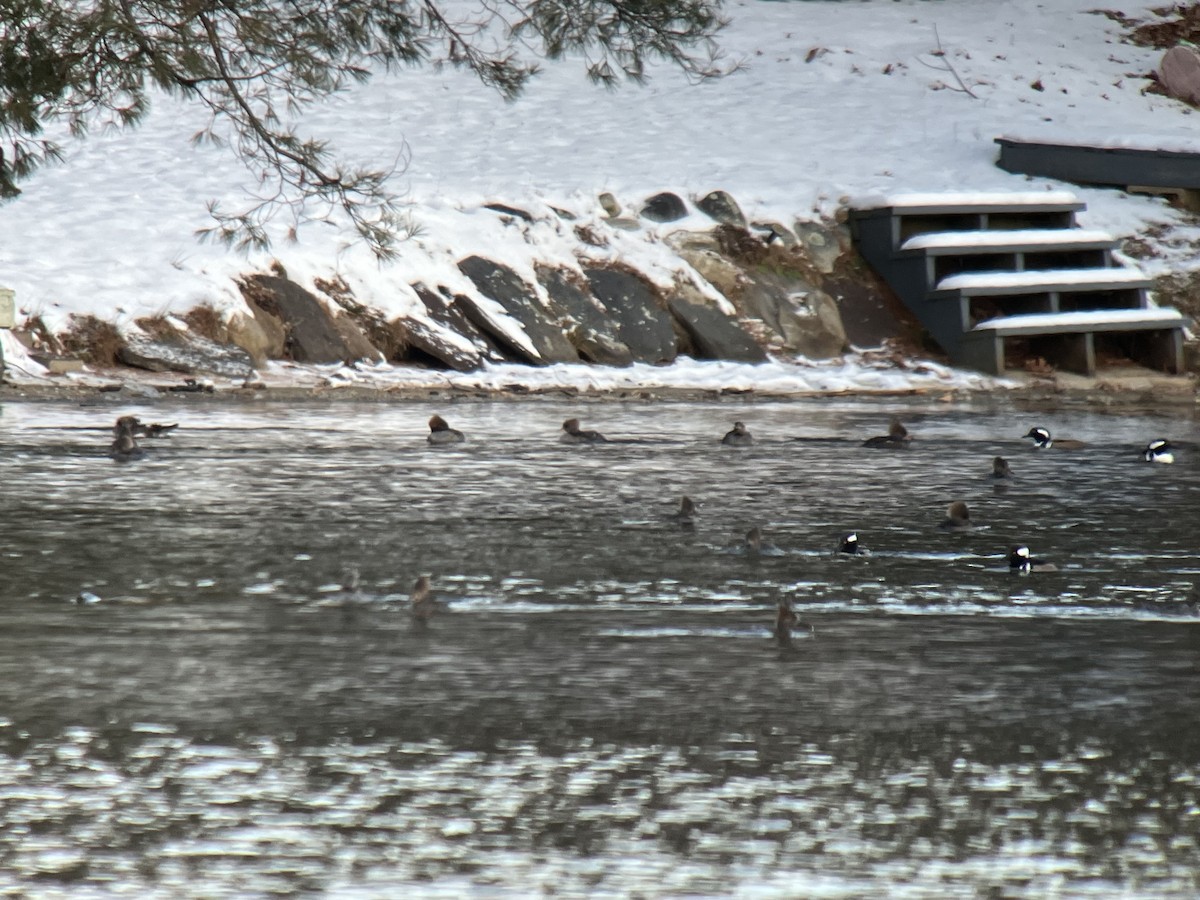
(422, 605)
(897, 438)
(125, 446)
(686, 516)
(739, 437)
(441, 433)
(572, 434)
(1001, 468)
(957, 517)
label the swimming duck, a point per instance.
(125, 446)
(686, 517)
(1019, 560)
(572, 434)
(1042, 441)
(785, 620)
(137, 427)
(897, 438)
(1159, 451)
(1001, 468)
(440, 432)
(957, 518)
(850, 544)
(422, 605)
(739, 437)
(754, 545)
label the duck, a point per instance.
(573, 434)
(739, 437)
(145, 429)
(850, 545)
(754, 545)
(1159, 451)
(897, 438)
(958, 517)
(1019, 560)
(1042, 441)
(125, 446)
(422, 606)
(1001, 470)
(785, 620)
(440, 432)
(686, 517)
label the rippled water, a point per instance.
(599, 709)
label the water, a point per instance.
(599, 709)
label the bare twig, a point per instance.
(947, 66)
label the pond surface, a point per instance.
(598, 708)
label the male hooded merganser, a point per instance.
(897, 438)
(1019, 560)
(441, 433)
(1042, 441)
(1159, 451)
(422, 605)
(686, 517)
(957, 517)
(125, 446)
(572, 434)
(1001, 468)
(739, 437)
(850, 545)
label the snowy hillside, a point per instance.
(831, 102)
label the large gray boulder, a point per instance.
(185, 352)
(721, 207)
(664, 207)
(642, 325)
(520, 302)
(714, 334)
(590, 329)
(1179, 73)
(446, 335)
(312, 334)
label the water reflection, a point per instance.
(600, 709)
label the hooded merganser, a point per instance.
(686, 517)
(850, 545)
(441, 433)
(1001, 468)
(572, 434)
(957, 517)
(1159, 451)
(422, 605)
(125, 446)
(754, 545)
(1020, 560)
(137, 427)
(739, 437)
(897, 438)
(1042, 441)
(785, 620)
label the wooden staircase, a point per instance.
(998, 279)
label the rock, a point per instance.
(774, 232)
(641, 324)
(312, 335)
(506, 210)
(185, 352)
(1179, 73)
(721, 207)
(448, 337)
(714, 334)
(260, 334)
(821, 245)
(358, 346)
(664, 207)
(590, 330)
(545, 342)
(609, 204)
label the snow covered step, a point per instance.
(1044, 280)
(1153, 337)
(949, 253)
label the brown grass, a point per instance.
(93, 340)
(206, 322)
